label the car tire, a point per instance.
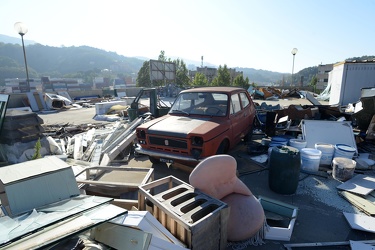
(223, 148)
(154, 160)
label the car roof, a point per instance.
(214, 89)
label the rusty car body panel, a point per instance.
(201, 122)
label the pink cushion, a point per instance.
(246, 217)
(216, 176)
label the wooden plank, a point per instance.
(360, 202)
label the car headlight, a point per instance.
(141, 134)
(197, 141)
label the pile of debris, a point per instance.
(269, 93)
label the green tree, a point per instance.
(143, 77)
(182, 78)
(239, 81)
(200, 80)
(223, 77)
(314, 82)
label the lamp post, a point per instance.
(22, 30)
(294, 52)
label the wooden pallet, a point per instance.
(193, 217)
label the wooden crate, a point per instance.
(196, 219)
(119, 183)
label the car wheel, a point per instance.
(223, 148)
(154, 160)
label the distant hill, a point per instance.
(87, 62)
(15, 40)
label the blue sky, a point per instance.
(256, 34)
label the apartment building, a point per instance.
(322, 76)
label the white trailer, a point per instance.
(348, 78)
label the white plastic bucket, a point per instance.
(310, 159)
(297, 143)
(343, 150)
(343, 168)
(327, 152)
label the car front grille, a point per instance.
(170, 143)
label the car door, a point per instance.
(237, 116)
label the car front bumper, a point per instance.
(155, 154)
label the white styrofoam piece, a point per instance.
(361, 222)
(280, 233)
(359, 184)
(102, 108)
(332, 132)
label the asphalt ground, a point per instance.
(320, 216)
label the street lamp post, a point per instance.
(22, 30)
(294, 52)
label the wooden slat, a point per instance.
(360, 202)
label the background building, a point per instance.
(322, 76)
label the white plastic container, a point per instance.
(327, 152)
(310, 159)
(343, 168)
(343, 150)
(297, 143)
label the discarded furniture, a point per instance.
(196, 219)
(120, 183)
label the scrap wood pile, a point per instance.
(268, 93)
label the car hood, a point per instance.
(181, 126)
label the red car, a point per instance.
(201, 122)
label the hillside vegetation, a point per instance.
(88, 62)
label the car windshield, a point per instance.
(201, 103)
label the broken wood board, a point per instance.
(360, 222)
(361, 203)
(359, 184)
